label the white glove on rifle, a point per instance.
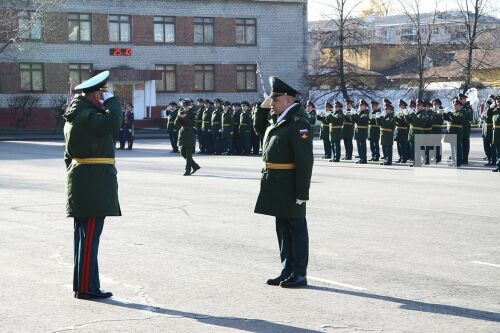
(300, 202)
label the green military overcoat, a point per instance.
(227, 123)
(374, 129)
(496, 126)
(91, 189)
(361, 120)
(187, 130)
(387, 124)
(487, 118)
(348, 127)
(401, 129)
(456, 124)
(420, 123)
(336, 121)
(286, 141)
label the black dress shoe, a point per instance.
(398, 161)
(276, 281)
(363, 162)
(294, 281)
(375, 159)
(93, 295)
(196, 168)
(496, 170)
(489, 164)
(187, 173)
(336, 160)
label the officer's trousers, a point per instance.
(348, 148)
(456, 152)
(217, 142)
(255, 143)
(173, 135)
(247, 145)
(387, 151)
(403, 151)
(293, 240)
(236, 143)
(87, 231)
(465, 147)
(361, 149)
(207, 143)
(336, 150)
(327, 145)
(187, 153)
(200, 140)
(375, 149)
(227, 144)
(488, 148)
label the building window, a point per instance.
(79, 73)
(79, 27)
(204, 78)
(246, 78)
(31, 77)
(164, 29)
(119, 28)
(246, 31)
(203, 30)
(167, 82)
(30, 26)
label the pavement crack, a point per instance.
(76, 327)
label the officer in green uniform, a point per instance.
(436, 114)
(254, 137)
(91, 184)
(374, 132)
(227, 128)
(286, 178)
(237, 144)
(324, 130)
(199, 121)
(487, 131)
(206, 128)
(336, 122)
(420, 123)
(411, 109)
(468, 117)
(171, 129)
(455, 127)
(186, 122)
(387, 123)
(361, 119)
(311, 111)
(496, 132)
(401, 133)
(216, 127)
(246, 127)
(348, 129)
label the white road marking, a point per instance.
(340, 284)
(485, 263)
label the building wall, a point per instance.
(280, 49)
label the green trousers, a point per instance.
(293, 240)
(187, 153)
(86, 247)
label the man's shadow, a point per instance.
(244, 324)
(407, 304)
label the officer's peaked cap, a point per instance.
(95, 83)
(279, 88)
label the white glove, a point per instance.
(106, 95)
(300, 202)
(220, 131)
(378, 115)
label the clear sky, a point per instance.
(319, 8)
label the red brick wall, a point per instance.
(225, 78)
(224, 31)
(10, 78)
(100, 33)
(184, 30)
(185, 78)
(142, 30)
(40, 119)
(56, 78)
(55, 28)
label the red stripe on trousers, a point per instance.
(87, 254)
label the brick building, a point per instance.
(157, 51)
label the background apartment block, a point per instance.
(157, 51)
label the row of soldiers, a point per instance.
(222, 128)
(369, 122)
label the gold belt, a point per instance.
(206, 122)
(93, 160)
(374, 126)
(215, 123)
(347, 123)
(489, 124)
(402, 127)
(457, 126)
(421, 128)
(438, 125)
(361, 126)
(198, 121)
(226, 125)
(387, 129)
(279, 166)
(335, 127)
(243, 124)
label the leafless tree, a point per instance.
(21, 108)
(10, 27)
(422, 41)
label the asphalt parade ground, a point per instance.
(392, 248)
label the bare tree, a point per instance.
(422, 38)
(21, 108)
(13, 29)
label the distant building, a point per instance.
(157, 51)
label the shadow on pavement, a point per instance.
(244, 324)
(407, 304)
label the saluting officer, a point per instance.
(455, 127)
(254, 137)
(311, 111)
(419, 124)
(468, 117)
(496, 132)
(199, 121)
(361, 120)
(246, 127)
(186, 122)
(348, 129)
(227, 128)
(437, 124)
(206, 128)
(487, 131)
(286, 178)
(216, 127)
(172, 111)
(374, 131)
(336, 121)
(91, 183)
(387, 124)
(237, 144)
(401, 133)
(324, 130)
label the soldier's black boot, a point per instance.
(496, 170)
(196, 168)
(277, 280)
(187, 173)
(294, 281)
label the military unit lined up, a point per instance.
(222, 128)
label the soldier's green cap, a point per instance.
(95, 83)
(279, 88)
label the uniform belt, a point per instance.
(438, 125)
(489, 124)
(323, 125)
(216, 123)
(387, 129)
(457, 126)
(198, 121)
(93, 160)
(226, 125)
(421, 128)
(206, 122)
(361, 126)
(347, 123)
(243, 124)
(335, 126)
(402, 127)
(279, 166)
(374, 126)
